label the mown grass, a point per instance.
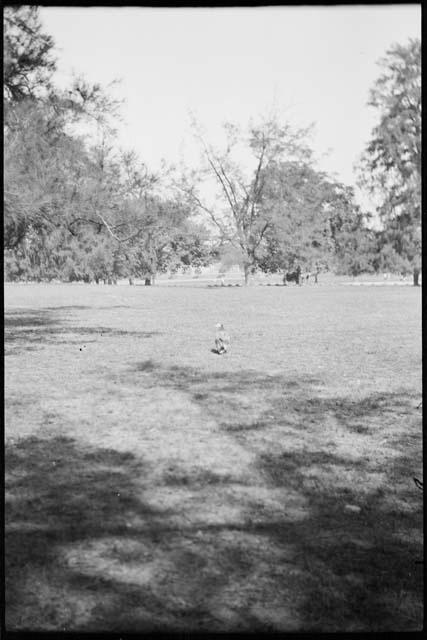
(152, 485)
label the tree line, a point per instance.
(76, 207)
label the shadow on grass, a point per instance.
(358, 548)
(87, 550)
(225, 392)
(26, 328)
(58, 496)
(24, 319)
(85, 307)
(84, 551)
(359, 545)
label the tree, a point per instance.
(189, 247)
(169, 239)
(315, 224)
(242, 221)
(297, 201)
(76, 207)
(39, 157)
(27, 54)
(45, 161)
(355, 245)
(391, 163)
(51, 177)
(399, 246)
(356, 249)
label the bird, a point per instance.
(222, 339)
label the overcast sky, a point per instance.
(316, 64)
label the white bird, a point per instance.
(222, 339)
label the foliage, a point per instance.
(296, 204)
(399, 246)
(169, 239)
(314, 223)
(355, 245)
(42, 168)
(76, 208)
(391, 165)
(243, 222)
(356, 251)
(46, 163)
(27, 54)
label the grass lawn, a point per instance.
(153, 485)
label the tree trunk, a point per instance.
(147, 281)
(247, 271)
(131, 281)
(315, 277)
(416, 275)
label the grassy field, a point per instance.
(153, 485)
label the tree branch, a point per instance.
(261, 235)
(113, 235)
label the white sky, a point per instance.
(316, 64)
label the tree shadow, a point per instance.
(176, 476)
(86, 308)
(27, 330)
(69, 307)
(60, 497)
(23, 319)
(324, 540)
(360, 541)
(286, 396)
(85, 551)
(356, 546)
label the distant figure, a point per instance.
(292, 276)
(222, 340)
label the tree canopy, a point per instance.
(243, 221)
(391, 164)
(77, 207)
(27, 53)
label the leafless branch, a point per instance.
(109, 228)
(256, 189)
(222, 182)
(261, 235)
